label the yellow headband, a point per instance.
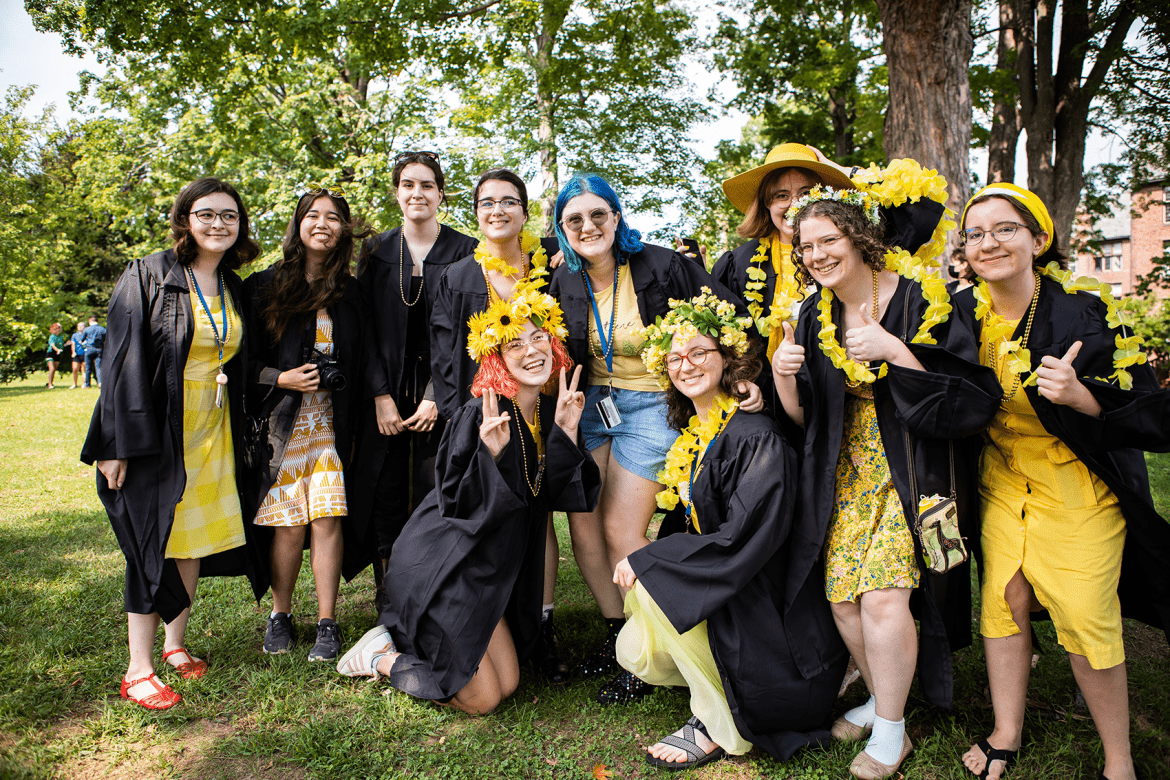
(1031, 202)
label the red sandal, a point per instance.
(192, 669)
(163, 697)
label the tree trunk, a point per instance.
(1054, 107)
(928, 51)
(1005, 122)
(553, 17)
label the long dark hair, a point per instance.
(244, 250)
(737, 369)
(290, 295)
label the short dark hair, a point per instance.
(757, 221)
(1053, 253)
(422, 158)
(736, 369)
(851, 221)
(244, 250)
(501, 174)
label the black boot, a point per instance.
(605, 659)
(546, 656)
(380, 584)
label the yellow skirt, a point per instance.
(650, 649)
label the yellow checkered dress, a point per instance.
(310, 483)
(208, 518)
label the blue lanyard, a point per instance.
(694, 466)
(223, 308)
(606, 344)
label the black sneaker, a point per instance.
(280, 635)
(328, 641)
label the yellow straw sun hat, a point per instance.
(741, 189)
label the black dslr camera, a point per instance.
(329, 374)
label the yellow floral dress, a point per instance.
(868, 546)
(208, 517)
(1044, 513)
(311, 482)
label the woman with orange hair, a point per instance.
(464, 581)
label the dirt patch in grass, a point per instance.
(1142, 641)
(188, 752)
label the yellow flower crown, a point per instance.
(705, 314)
(504, 320)
(861, 200)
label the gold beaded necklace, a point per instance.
(534, 487)
(853, 383)
(401, 280)
(991, 350)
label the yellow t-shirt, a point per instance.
(629, 373)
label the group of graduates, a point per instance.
(796, 412)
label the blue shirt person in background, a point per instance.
(93, 339)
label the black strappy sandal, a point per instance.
(687, 743)
(1008, 757)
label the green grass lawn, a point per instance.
(63, 651)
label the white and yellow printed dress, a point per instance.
(310, 484)
(208, 519)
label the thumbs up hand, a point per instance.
(1057, 380)
(870, 342)
(789, 355)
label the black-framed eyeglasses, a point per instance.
(415, 155)
(207, 216)
(518, 348)
(487, 204)
(696, 357)
(321, 189)
(576, 222)
(1004, 231)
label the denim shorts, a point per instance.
(642, 439)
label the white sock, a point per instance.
(885, 744)
(863, 715)
(545, 611)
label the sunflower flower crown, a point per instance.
(504, 320)
(862, 200)
(704, 314)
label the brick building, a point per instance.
(1130, 240)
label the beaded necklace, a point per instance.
(534, 487)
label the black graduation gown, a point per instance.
(462, 292)
(659, 274)
(780, 659)
(267, 359)
(473, 552)
(139, 417)
(953, 398)
(1062, 319)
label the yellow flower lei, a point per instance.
(529, 245)
(691, 441)
(902, 181)
(1019, 358)
(788, 290)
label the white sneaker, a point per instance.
(358, 660)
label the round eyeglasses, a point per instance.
(207, 216)
(696, 357)
(576, 222)
(518, 348)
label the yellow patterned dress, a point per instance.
(208, 517)
(869, 546)
(310, 483)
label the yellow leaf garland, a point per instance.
(788, 289)
(529, 245)
(691, 442)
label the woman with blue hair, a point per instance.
(611, 286)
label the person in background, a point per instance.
(55, 351)
(77, 347)
(305, 367)
(961, 273)
(93, 341)
(167, 431)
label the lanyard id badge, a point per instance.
(606, 408)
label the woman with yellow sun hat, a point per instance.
(761, 271)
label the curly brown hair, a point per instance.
(245, 250)
(736, 369)
(1053, 253)
(291, 297)
(865, 236)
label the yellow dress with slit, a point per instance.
(1046, 514)
(208, 517)
(868, 545)
(311, 481)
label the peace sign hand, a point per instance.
(570, 404)
(494, 430)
